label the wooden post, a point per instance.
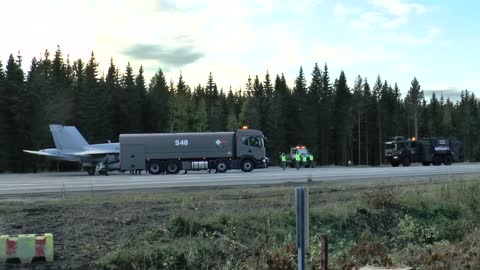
(324, 252)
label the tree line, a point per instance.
(337, 123)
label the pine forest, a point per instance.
(336, 122)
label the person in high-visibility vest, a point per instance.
(311, 161)
(284, 160)
(297, 160)
(304, 160)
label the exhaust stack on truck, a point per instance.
(171, 152)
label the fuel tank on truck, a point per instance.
(181, 145)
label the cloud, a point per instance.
(347, 56)
(167, 5)
(408, 39)
(302, 7)
(395, 22)
(173, 57)
(341, 11)
(398, 7)
(453, 93)
(361, 25)
(410, 68)
(370, 20)
(386, 14)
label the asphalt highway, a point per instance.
(80, 181)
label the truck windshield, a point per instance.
(253, 141)
(303, 151)
(390, 146)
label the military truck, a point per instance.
(401, 150)
(302, 149)
(171, 152)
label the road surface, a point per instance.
(80, 181)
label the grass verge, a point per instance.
(427, 224)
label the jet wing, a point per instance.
(42, 153)
(91, 152)
(54, 154)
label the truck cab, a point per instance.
(399, 150)
(302, 149)
(251, 149)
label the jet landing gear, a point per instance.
(101, 168)
(91, 171)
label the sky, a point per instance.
(433, 40)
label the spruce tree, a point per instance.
(200, 116)
(89, 102)
(435, 116)
(280, 141)
(266, 106)
(249, 114)
(370, 123)
(300, 106)
(133, 105)
(413, 100)
(59, 105)
(232, 119)
(313, 107)
(4, 123)
(115, 102)
(343, 116)
(325, 119)
(158, 94)
(358, 108)
(13, 129)
(181, 119)
(141, 96)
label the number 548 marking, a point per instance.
(181, 142)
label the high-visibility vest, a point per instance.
(297, 157)
(304, 158)
(284, 158)
(311, 157)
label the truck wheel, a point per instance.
(437, 161)
(406, 161)
(153, 167)
(221, 166)
(395, 164)
(426, 163)
(247, 165)
(447, 160)
(91, 171)
(172, 167)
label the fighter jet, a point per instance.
(71, 146)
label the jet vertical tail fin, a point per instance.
(67, 137)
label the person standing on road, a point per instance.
(297, 160)
(284, 161)
(310, 156)
(304, 160)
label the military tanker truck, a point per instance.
(171, 152)
(401, 150)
